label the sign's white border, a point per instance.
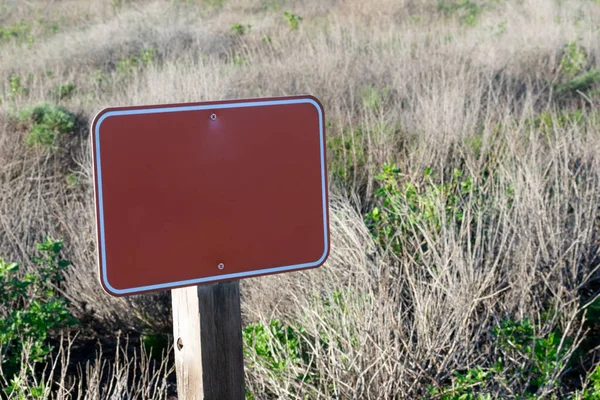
(224, 276)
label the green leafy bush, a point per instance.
(581, 83)
(404, 205)
(240, 29)
(557, 120)
(372, 98)
(574, 59)
(31, 311)
(592, 391)
(155, 344)
(240, 61)
(575, 75)
(347, 155)
(465, 386)
(16, 86)
(126, 66)
(275, 345)
(19, 32)
(48, 122)
(542, 353)
(467, 10)
(64, 90)
(524, 358)
(292, 19)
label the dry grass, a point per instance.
(401, 82)
(129, 373)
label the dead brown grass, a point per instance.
(423, 89)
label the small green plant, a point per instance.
(48, 122)
(54, 28)
(372, 98)
(347, 155)
(31, 311)
(501, 28)
(19, 32)
(23, 390)
(465, 386)
(543, 354)
(467, 10)
(147, 56)
(117, 5)
(240, 60)
(240, 29)
(126, 66)
(404, 205)
(581, 83)
(292, 19)
(534, 358)
(416, 19)
(98, 76)
(72, 180)
(575, 77)
(278, 348)
(547, 121)
(592, 390)
(276, 345)
(574, 59)
(155, 344)
(16, 86)
(213, 3)
(64, 90)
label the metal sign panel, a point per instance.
(194, 193)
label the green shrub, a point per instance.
(574, 59)
(575, 77)
(72, 180)
(372, 98)
(64, 90)
(31, 311)
(404, 205)
(126, 66)
(347, 155)
(240, 29)
(213, 3)
(155, 344)
(19, 32)
(292, 19)
(48, 122)
(543, 354)
(467, 10)
(524, 359)
(275, 345)
(592, 390)
(239, 61)
(465, 386)
(557, 120)
(16, 86)
(581, 83)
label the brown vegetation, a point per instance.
(490, 90)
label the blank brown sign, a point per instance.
(203, 192)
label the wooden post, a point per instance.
(207, 327)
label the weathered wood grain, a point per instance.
(207, 328)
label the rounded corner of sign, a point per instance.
(323, 257)
(108, 287)
(315, 102)
(100, 117)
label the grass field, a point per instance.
(464, 165)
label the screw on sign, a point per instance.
(182, 188)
